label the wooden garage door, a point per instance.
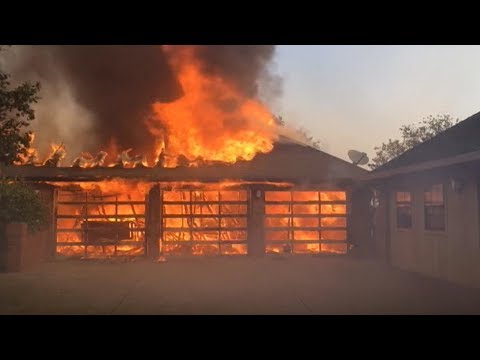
(305, 221)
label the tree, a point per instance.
(411, 135)
(18, 201)
(16, 113)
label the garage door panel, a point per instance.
(97, 223)
(333, 222)
(204, 222)
(305, 222)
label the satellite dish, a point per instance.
(357, 157)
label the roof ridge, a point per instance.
(393, 162)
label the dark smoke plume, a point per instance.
(241, 65)
(118, 84)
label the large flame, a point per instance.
(298, 221)
(212, 216)
(212, 120)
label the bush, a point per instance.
(20, 203)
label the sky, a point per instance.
(356, 97)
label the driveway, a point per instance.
(237, 285)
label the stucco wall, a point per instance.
(453, 254)
(21, 248)
(24, 248)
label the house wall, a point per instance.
(359, 222)
(453, 254)
(24, 248)
(381, 227)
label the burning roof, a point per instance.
(214, 128)
(288, 161)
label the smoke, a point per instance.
(117, 84)
(59, 116)
(95, 95)
(239, 64)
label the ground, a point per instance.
(242, 285)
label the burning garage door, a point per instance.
(305, 221)
(204, 222)
(105, 219)
(97, 223)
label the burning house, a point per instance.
(207, 172)
(293, 199)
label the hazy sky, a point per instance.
(356, 97)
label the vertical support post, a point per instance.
(348, 216)
(359, 223)
(256, 222)
(153, 223)
(117, 237)
(382, 225)
(291, 233)
(388, 202)
(219, 223)
(51, 198)
(319, 221)
(161, 222)
(86, 224)
(193, 197)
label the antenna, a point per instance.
(357, 157)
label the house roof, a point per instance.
(460, 139)
(287, 162)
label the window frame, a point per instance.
(432, 203)
(410, 203)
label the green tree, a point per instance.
(16, 113)
(20, 203)
(411, 135)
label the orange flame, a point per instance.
(298, 221)
(212, 120)
(120, 202)
(200, 218)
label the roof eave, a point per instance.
(427, 165)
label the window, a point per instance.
(434, 208)
(404, 209)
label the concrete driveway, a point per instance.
(294, 285)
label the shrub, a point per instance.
(19, 202)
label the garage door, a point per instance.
(96, 224)
(204, 222)
(305, 221)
